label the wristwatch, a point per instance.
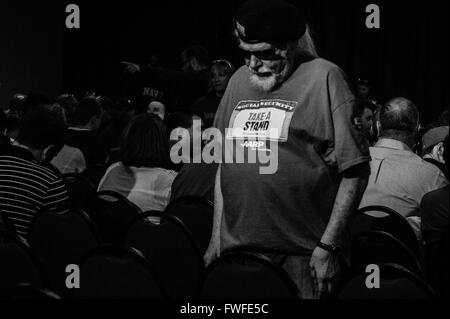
(329, 248)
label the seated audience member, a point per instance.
(11, 129)
(26, 184)
(434, 211)
(4, 140)
(69, 103)
(122, 111)
(69, 160)
(35, 101)
(443, 119)
(181, 128)
(106, 104)
(206, 107)
(399, 178)
(433, 146)
(142, 175)
(84, 132)
(158, 108)
(15, 108)
(365, 116)
(195, 177)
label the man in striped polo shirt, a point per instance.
(26, 185)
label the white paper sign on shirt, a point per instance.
(262, 120)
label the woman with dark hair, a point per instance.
(143, 174)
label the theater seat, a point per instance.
(396, 282)
(247, 275)
(386, 220)
(60, 240)
(114, 272)
(196, 214)
(18, 264)
(170, 248)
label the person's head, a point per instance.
(221, 72)
(433, 143)
(16, 105)
(35, 101)
(270, 35)
(42, 131)
(362, 88)
(69, 103)
(365, 112)
(194, 58)
(123, 110)
(399, 120)
(88, 113)
(443, 119)
(144, 142)
(158, 108)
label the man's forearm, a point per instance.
(349, 195)
(218, 206)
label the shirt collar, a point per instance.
(392, 144)
(20, 152)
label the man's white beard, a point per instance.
(264, 84)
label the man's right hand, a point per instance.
(130, 67)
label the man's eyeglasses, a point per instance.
(269, 54)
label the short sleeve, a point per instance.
(57, 198)
(349, 147)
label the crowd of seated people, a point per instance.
(130, 146)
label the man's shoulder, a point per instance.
(32, 169)
(243, 71)
(319, 66)
(407, 160)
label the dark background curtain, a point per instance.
(407, 56)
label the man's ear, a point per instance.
(378, 124)
(440, 148)
(95, 121)
(194, 64)
(49, 153)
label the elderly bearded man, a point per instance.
(298, 216)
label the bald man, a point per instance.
(399, 178)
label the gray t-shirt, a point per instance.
(287, 211)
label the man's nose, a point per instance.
(254, 62)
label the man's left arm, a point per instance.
(325, 265)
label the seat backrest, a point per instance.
(79, 188)
(171, 249)
(115, 272)
(94, 174)
(438, 267)
(395, 282)
(112, 213)
(60, 240)
(389, 221)
(247, 275)
(196, 214)
(373, 247)
(17, 263)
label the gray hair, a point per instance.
(306, 43)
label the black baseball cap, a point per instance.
(271, 21)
